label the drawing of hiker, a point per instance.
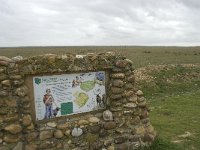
(48, 101)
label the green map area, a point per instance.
(81, 99)
(87, 85)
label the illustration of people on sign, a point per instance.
(76, 82)
(100, 99)
(48, 101)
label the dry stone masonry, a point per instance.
(123, 125)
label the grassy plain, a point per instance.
(172, 91)
(141, 55)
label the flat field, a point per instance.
(141, 55)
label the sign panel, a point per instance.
(68, 94)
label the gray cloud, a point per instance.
(99, 22)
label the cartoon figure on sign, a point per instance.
(48, 101)
(76, 82)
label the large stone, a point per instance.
(22, 91)
(3, 77)
(139, 93)
(129, 93)
(132, 98)
(63, 126)
(116, 90)
(6, 82)
(31, 136)
(4, 63)
(109, 125)
(15, 77)
(76, 132)
(121, 63)
(4, 58)
(4, 93)
(58, 134)
(83, 122)
(46, 134)
(131, 78)
(31, 147)
(26, 120)
(94, 129)
(117, 83)
(116, 96)
(11, 103)
(11, 138)
(19, 146)
(52, 124)
(130, 105)
(94, 120)
(119, 140)
(13, 128)
(117, 75)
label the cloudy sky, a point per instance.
(99, 22)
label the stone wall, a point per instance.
(124, 124)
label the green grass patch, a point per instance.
(173, 117)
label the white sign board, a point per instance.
(68, 94)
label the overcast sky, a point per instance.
(99, 22)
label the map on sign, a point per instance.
(68, 94)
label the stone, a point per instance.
(109, 125)
(4, 93)
(3, 77)
(107, 115)
(116, 96)
(46, 134)
(117, 83)
(68, 132)
(11, 103)
(123, 146)
(31, 147)
(94, 129)
(133, 98)
(52, 124)
(4, 63)
(15, 77)
(139, 93)
(140, 130)
(128, 86)
(103, 133)
(119, 140)
(31, 136)
(6, 82)
(58, 134)
(4, 58)
(94, 120)
(19, 146)
(116, 90)
(47, 144)
(17, 58)
(26, 120)
(11, 139)
(131, 78)
(83, 122)
(22, 91)
(121, 63)
(129, 93)
(140, 99)
(76, 132)
(13, 128)
(96, 146)
(63, 126)
(117, 75)
(142, 104)
(130, 105)
(111, 147)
